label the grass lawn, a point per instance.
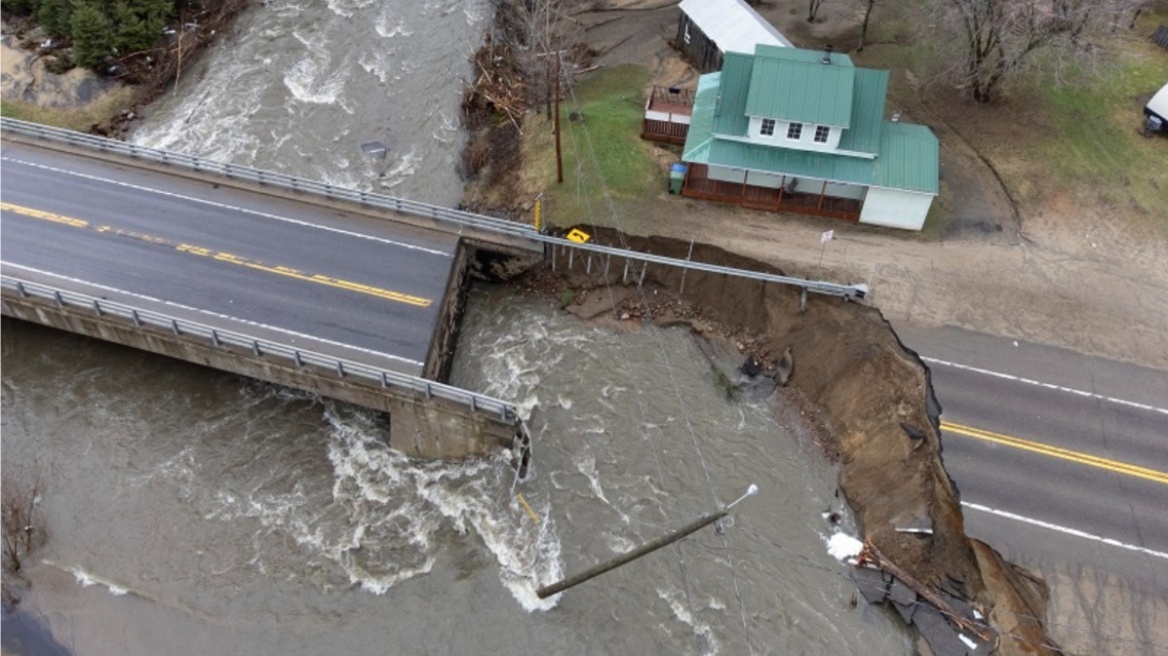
(71, 119)
(608, 168)
(1074, 138)
(1094, 140)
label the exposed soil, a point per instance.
(861, 395)
(150, 72)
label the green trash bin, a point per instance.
(676, 177)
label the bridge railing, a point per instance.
(458, 220)
(261, 347)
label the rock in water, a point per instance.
(785, 367)
(751, 367)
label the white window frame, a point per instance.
(825, 130)
(767, 127)
(797, 129)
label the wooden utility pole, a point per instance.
(559, 154)
(663, 541)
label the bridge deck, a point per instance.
(339, 283)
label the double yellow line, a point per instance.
(1057, 452)
(220, 256)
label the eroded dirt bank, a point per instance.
(867, 396)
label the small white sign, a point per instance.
(826, 237)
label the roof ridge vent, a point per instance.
(827, 50)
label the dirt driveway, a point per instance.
(1060, 273)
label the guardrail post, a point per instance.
(607, 261)
(255, 348)
(429, 392)
(803, 301)
(20, 290)
(135, 319)
(340, 369)
(641, 280)
(625, 277)
(588, 265)
(473, 404)
(571, 257)
(384, 380)
(296, 358)
(215, 338)
(174, 326)
(96, 307)
(685, 269)
(58, 299)
(554, 249)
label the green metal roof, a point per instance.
(906, 155)
(863, 135)
(800, 55)
(730, 115)
(801, 91)
(909, 158)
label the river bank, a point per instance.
(864, 398)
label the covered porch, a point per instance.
(699, 185)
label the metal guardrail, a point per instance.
(458, 220)
(262, 347)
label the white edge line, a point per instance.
(1064, 529)
(225, 206)
(246, 322)
(1060, 388)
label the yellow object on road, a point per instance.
(579, 236)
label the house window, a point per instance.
(821, 133)
(768, 127)
(795, 131)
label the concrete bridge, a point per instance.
(348, 294)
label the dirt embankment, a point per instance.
(869, 396)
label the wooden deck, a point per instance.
(699, 185)
(667, 114)
(664, 131)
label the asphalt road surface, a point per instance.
(1062, 464)
(336, 283)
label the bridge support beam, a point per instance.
(419, 426)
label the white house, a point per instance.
(800, 130)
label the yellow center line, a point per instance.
(1058, 452)
(44, 216)
(228, 258)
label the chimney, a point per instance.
(827, 54)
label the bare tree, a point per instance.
(868, 5)
(999, 36)
(813, 9)
(22, 527)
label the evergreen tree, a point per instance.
(22, 7)
(138, 24)
(92, 35)
(55, 16)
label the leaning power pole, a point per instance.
(559, 154)
(623, 559)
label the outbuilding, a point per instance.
(1157, 108)
(708, 29)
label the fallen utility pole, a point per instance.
(622, 559)
(663, 541)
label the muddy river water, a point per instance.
(194, 512)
